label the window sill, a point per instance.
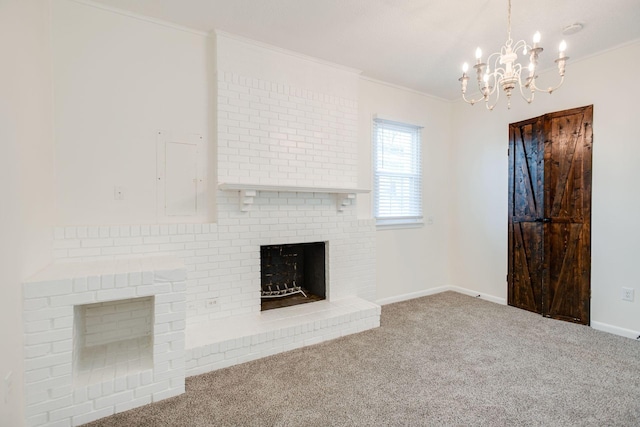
(398, 225)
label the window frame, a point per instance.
(412, 214)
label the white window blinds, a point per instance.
(397, 173)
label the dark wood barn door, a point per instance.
(526, 242)
(550, 214)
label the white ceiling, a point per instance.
(419, 44)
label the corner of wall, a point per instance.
(212, 149)
(26, 176)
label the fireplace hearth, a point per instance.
(292, 274)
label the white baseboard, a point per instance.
(412, 295)
(433, 291)
(616, 330)
(477, 294)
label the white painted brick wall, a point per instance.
(69, 383)
(223, 259)
(119, 320)
(271, 133)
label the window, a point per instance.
(397, 173)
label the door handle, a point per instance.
(542, 220)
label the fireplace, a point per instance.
(292, 274)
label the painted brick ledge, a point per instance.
(222, 343)
(133, 271)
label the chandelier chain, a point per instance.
(509, 20)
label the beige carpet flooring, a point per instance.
(446, 359)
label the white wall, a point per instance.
(480, 140)
(26, 173)
(250, 58)
(410, 260)
(117, 80)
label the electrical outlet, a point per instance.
(212, 302)
(627, 294)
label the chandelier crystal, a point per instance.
(507, 73)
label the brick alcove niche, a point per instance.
(112, 339)
(103, 337)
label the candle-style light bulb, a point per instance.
(561, 57)
(562, 48)
(536, 39)
(465, 68)
(478, 54)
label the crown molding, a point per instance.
(140, 17)
(273, 48)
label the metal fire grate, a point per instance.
(282, 271)
(277, 291)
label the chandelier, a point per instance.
(508, 74)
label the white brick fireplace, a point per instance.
(221, 294)
(222, 264)
(287, 174)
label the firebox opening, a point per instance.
(292, 274)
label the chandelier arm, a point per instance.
(471, 101)
(499, 69)
(530, 100)
(550, 89)
(496, 60)
(533, 92)
(521, 44)
(489, 106)
(490, 84)
(517, 68)
(497, 74)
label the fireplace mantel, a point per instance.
(248, 192)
